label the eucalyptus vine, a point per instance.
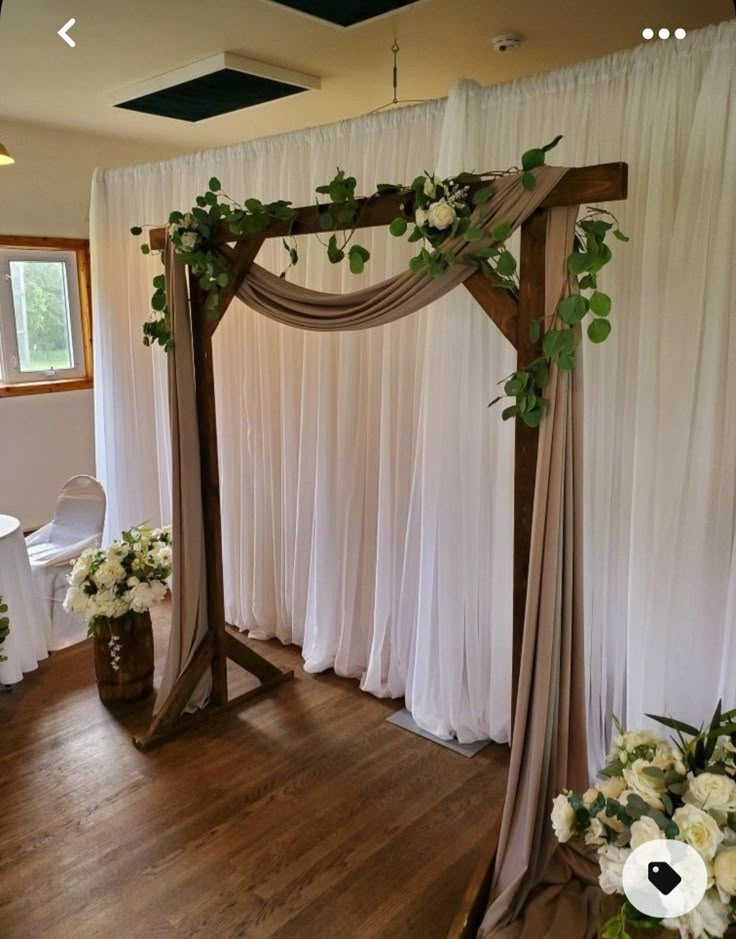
(559, 341)
(432, 211)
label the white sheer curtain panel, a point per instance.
(365, 485)
(367, 491)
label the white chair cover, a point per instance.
(78, 521)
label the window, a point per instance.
(45, 342)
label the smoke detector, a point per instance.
(508, 41)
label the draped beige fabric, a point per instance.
(539, 890)
(306, 309)
(401, 295)
(189, 606)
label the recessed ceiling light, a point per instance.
(664, 33)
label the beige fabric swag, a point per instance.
(398, 296)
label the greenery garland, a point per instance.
(436, 210)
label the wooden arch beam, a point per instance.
(601, 183)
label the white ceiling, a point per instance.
(121, 42)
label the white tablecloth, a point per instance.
(26, 644)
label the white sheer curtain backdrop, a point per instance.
(367, 490)
(361, 519)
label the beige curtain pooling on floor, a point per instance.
(306, 309)
(189, 604)
(401, 295)
(539, 890)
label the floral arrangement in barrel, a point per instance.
(119, 581)
(430, 212)
(654, 789)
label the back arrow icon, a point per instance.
(64, 30)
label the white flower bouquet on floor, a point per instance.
(652, 789)
(126, 578)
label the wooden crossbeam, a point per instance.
(498, 303)
(245, 255)
(604, 182)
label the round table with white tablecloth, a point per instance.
(25, 646)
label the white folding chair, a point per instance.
(78, 521)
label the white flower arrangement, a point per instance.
(127, 577)
(652, 789)
(439, 204)
(184, 234)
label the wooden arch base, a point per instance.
(603, 183)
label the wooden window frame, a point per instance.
(80, 247)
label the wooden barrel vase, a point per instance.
(132, 680)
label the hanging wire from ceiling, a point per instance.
(395, 101)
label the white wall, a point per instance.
(44, 439)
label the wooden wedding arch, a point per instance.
(600, 183)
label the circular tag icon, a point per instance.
(665, 879)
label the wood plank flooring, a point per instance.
(302, 816)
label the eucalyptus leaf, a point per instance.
(506, 264)
(483, 195)
(501, 232)
(572, 309)
(599, 330)
(532, 159)
(398, 227)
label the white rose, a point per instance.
(420, 217)
(563, 818)
(724, 871)
(430, 186)
(709, 919)
(612, 860)
(174, 229)
(648, 787)
(664, 757)
(725, 752)
(76, 600)
(143, 596)
(79, 574)
(189, 241)
(109, 574)
(441, 215)
(613, 787)
(596, 835)
(645, 829)
(699, 830)
(713, 793)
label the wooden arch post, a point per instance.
(602, 183)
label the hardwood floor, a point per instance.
(302, 816)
